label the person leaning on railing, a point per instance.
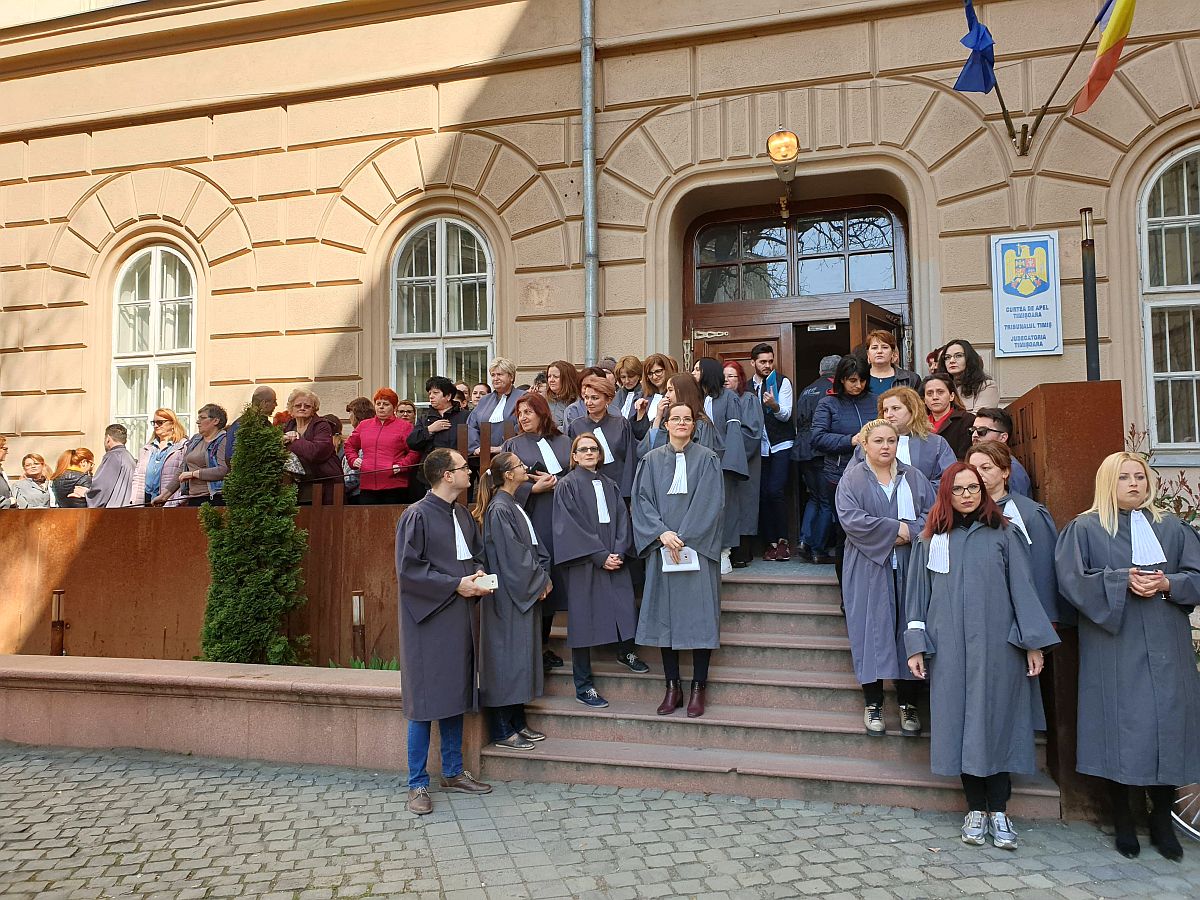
(168, 437)
(195, 473)
(310, 437)
(379, 450)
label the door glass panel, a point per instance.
(467, 364)
(133, 328)
(872, 272)
(1192, 185)
(175, 389)
(764, 242)
(413, 369)
(1158, 340)
(1162, 411)
(132, 390)
(1155, 206)
(718, 243)
(823, 275)
(419, 259)
(869, 233)
(468, 304)
(416, 303)
(764, 281)
(718, 285)
(1155, 237)
(820, 236)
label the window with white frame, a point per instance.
(154, 344)
(441, 307)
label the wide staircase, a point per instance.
(783, 719)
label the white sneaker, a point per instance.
(975, 828)
(1004, 836)
(726, 565)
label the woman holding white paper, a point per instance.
(547, 452)
(678, 504)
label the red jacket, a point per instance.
(382, 445)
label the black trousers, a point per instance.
(505, 721)
(907, 692)
(581, 664)
(700, 661)
(989, 793)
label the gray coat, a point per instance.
(620, 440)
(738, 432)
(1042, 538)
(932, 455)
(540, 507)
(113, 480)
(681, 610)
(601, 607)
(750, 490)
(436, 629)
(872, 588)
(979, 618)
(510, 623)
(1139, 691)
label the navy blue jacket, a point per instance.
(835, 422)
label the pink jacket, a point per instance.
(381, 446)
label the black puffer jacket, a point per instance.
(67, 482)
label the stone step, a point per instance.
(823, 653)
(754, 774)
(742, 586)
(813, 732)
(796, 617)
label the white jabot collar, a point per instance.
(906, 509)
(627, 405)
(549, 460)
(708, 401)
(498, 412)
(679, 483)
(939, 554)
(462, 551)
(1147, 551)
(1014, 516)
(602, 514)
(603, 442)
(532, 533)
(903, 453)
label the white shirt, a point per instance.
(783, 414)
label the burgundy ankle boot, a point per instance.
(673, 699)
(696, 702)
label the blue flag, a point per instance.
(979, 73)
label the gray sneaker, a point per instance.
(873, 720)
(1004, 836)
(910, 722)
(975, 828)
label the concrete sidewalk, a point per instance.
(125, 823)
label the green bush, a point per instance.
(254, 554)
(376, 662)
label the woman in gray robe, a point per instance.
(1134, 576)
(749, 491)
(918, 447)
(975, 621)
(510, 644)
(592, 538)
(678, 501)
(882, 505)
(679, 389)
(612, 431)
(993, 461)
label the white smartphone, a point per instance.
(491, 582)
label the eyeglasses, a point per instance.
(587, 449)
(960, 489)
(654, 373)
(955, 356)
(460, 468)
(981, 430)
(157, 422)
(679, 421)
(517, 467)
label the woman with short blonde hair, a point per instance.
(917, 445)
(1133, 574)
(167, 436)
(33, 491)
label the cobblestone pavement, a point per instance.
(116, 824)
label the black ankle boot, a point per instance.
(1122, 819)
(1162, 829)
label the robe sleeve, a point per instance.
(622, 528)
(514, 558)
(1031, 628)
(424, 590)
(703, 522)
(1045, 537)
(473, 428)
(1098, 592)
(873, 536)
(944, 456)
(648, 524)
(1185, 583)
(916, 601)
(631, 458)
(576, 540)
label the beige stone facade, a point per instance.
(285, 149)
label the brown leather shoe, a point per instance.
(419, 803)
(465, 784)
(696, 702)
(673, 699)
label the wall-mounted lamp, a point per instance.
(784, 149)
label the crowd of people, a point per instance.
(627, 489)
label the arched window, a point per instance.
(1171, 300)
(441, 306)
(154, 343)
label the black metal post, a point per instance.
(1091, 318)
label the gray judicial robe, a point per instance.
(112, 484)
(438, 668)
(931, 455)
(644, 424)
(681, 610)
(601, 608)
(625, 399)
(1139, 691)
(483, 413)
(540, 507)
(510, 624)
(980, 618)
(738, 439)
(750, 490)
(872, 588)
(620, 440)
(1042, 538)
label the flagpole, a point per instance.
(1012, 132)
(1024, 148)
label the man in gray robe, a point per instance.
(439, 556)
(112, 483)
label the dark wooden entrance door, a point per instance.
(867, 317)
(734, 342)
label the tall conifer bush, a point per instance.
(254, 553)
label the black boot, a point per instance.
(1162, 829)
(1122, 819)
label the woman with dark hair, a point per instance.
(750, 490)
(379, 450)
(72, 477)
(836, 424)
(438, 425)
(993, 461)
(679, 389)
(656, 369)
(945, 417)
(977, 629)
(359, 408)
(562, 380)
(973, 387)
(738, 431)
(546, 453)
(1133, 573)
(510, 671)
(613, 432)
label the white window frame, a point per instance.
(442, 340)
(152, 359)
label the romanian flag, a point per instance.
(1116, 19)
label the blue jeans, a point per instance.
(451, 731)
(772, 510)
(818, 511)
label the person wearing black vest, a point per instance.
(775, 394)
